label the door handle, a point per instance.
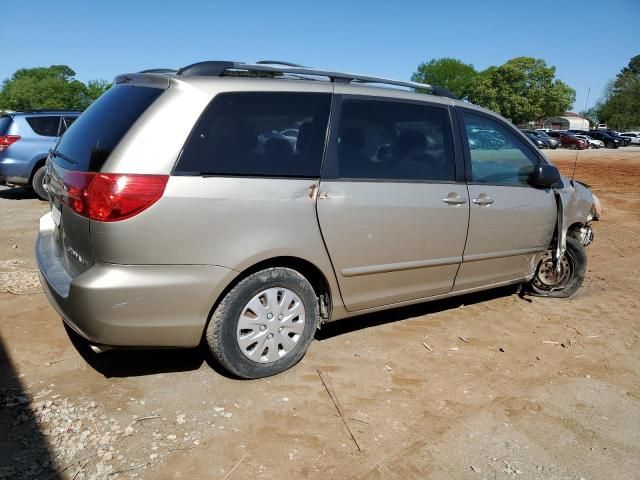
(483, 199)
(454, 199)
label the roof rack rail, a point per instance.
(278, 62)
(49, 110)
(218, 68)
(159, 70)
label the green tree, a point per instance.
(591, 114)
(522, 89)
(620, 105)
(53, 87)
(449, 73)
(95, 88)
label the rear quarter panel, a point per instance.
(224, 221)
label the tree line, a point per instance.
(619, 106)
(526, 89)
(54, 88)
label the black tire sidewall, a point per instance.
(221, 331)
(37, 183)
(579, 257)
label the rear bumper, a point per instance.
(12, 171)
(130, 305)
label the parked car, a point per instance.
(608, 140)
(632, 136)
(179, 229)
(552, 142)
(601, 126)
(25, 140)
(537, 141)
(569, 140)
(592, 143)
(624, 141)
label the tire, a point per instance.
(573, 146)
(37, 183)
(575, 258)
(268, 356)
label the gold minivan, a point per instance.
(242, 205)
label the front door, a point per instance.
(510, 221)
(393, 216)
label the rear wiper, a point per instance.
(61, 155)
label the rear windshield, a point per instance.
(87, 143)
(5, 122)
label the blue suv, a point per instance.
(25, 141)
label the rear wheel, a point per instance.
(37, 183)
(265, 324)
(565, 280)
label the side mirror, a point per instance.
(544, 176)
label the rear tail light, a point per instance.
(110, 197)
(7, 140)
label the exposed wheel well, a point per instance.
(312, 273)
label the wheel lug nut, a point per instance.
(263, 328)
(269, 316)
(280, 316)
(281, 329)
(270, 336)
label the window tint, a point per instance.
(394, 140)
(46, 126)
(497, 154)
(94, 135)
(259, 133)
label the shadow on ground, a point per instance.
(139, 362)
(17, 193)
(24, 452)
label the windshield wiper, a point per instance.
(61, 155)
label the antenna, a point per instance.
(575, 162)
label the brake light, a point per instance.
(110, 197)
(7, 140)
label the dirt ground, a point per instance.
(508, 388)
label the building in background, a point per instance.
(567, 121)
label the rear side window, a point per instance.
(498, 156)
(395, 141)
(87, 143)
(46, 126)
(5, 123)
(278, 134)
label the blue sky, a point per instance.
(588, 41)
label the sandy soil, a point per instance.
(540, 389)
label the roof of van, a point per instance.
(207, 76)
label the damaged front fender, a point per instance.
(577, 208)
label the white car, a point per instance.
(593, 143)
(634, 136)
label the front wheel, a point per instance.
(265, 324)
(565, 280)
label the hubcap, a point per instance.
(270, 325)
(548, 277)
